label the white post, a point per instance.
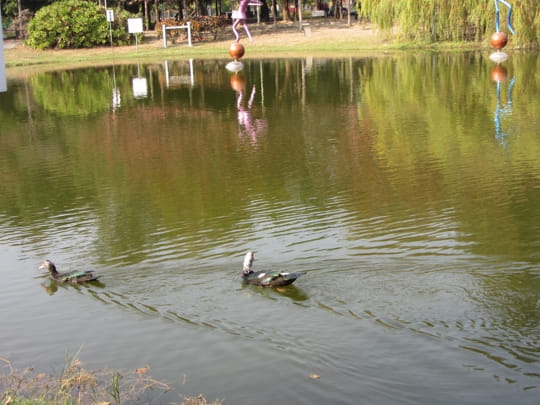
(167, 73)
(164, 33)
(191, 75)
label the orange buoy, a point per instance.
(498, 74)
(236, 50)
(238, 82)
(499, 40)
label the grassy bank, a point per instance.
(76, 386)
(323, 37)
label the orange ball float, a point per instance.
(498, 74)
(236, 50)
(238, 82)
(499, 40)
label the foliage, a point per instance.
(80, 92)
(75, 24)
(526, 21)
(449, 20)
(75, 385)
(67, 24)
(199, 25)
(10, 8)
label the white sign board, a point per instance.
(110, 16)
(140, 88)
(135, 25)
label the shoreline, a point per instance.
(324, 37)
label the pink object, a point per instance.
(249, 127)
(239, 15)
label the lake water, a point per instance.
(406, 187)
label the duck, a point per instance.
(265, 278)
(73, 277)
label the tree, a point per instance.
(450, 20)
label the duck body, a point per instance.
(270, 278)
(265, 278)
(73, 277)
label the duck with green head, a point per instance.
(73, 277)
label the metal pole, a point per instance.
(110, 33)
(164, 33)
(189, 32)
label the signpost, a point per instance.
(140, 88)
(110, 20)
(135, 26)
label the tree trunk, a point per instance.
(180, 5)
(156, 10)
(338, 9)
(285, 10)
(146, 15)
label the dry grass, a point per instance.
(77, 386)
(199, 400)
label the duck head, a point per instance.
(248, 263)
(49, 266)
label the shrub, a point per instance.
(75, 24)
(67, 24)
